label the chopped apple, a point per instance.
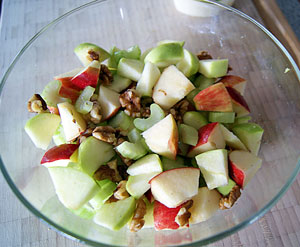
(172, 86)
(194, 119)
(148, 79)
(214, 167)
(65, 78)
(243, 166)
(51, 94)
(168, 41)
(59, 136)
(188, 134)
(173, 187)
(162, 137)
(73, 187)
(87, 53)
(189, 65)
(41, 128)
(109, 102)
(59, 155)
(71, 120)
(205, 204)
(132, 150)
(130, 68)
(150, 163)
(121, 120)
(250, 134)
(172, 164)
(213, 68)
(190, 97)
(203, 82)
(119, 83)
(236, 82)
(88, 76)
(239, 104)
(133, 52)
(221, 117)
(69, 93)
(225, 190)
(214, 98)
(210, 137)
(231, 139)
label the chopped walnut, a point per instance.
(227, 202)
(104, 172)
(88, 132)
(145, 112)
(94, 97)
(111, 199)
(93, 55)
(121, 192)
(105, 76)
(131, 102)
(179, 110)
(95, 113)
(36, 104)
(137, 221)
(106, 134)
(182, 218)
(204, 55)
(114, 166)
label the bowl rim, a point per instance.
(66, 233)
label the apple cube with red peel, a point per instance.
(213, 98)
(243, 166)
(239, 104)
(210, 137)
(173, 187)
(69, 93)
(162, 137)
(65, 78)
(236, 82)
(109, 102)
(88, 76)
(59, 155)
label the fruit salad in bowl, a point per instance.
(159, 139)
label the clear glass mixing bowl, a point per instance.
(273, 94)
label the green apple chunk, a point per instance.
(116, 214)
(250, 134)
(41, 128)
(148, 79)
(87, 52)
(172, 164)
(225, 190)
(231, 139)
(238, 120)
(139, 184)
(221, 117)
(132, 150)
(188, 134)
(93, 153)
(183, 148)
(165, 54)
(74, 188)
(214, 167)
(59, 136)
(85, 212)
(130, 68)
(150, 163)
(111, 62)
(213, 68)
(144, 54)
(156, 115)
(107, 188)
(189, 65)
(133, 52)
(203, 82)
(194, 119)
(51, 94)
(122, 121)
(83, 104)
(192, 95)
(168, 41)
(119, 83)
(134, 135)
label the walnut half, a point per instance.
(106, 134)
(228, 201)
(138, 221)
(183, 216)
(36, 104)
(131, 102)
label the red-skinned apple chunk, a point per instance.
(210, 137)
(239, 104)
(236, 82)
(173, 187)
(66, 78)
(59, 155)
(213, 98)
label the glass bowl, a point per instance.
(273, 94)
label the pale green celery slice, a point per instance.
(83, 103)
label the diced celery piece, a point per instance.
(221, 117)
(122, 121)
(132, 150)
(133, 52)
(83, 103)
(203, 82)
(107, 188)
(188, 134)
(85, 212)
(194, 119)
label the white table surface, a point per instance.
(20, 20)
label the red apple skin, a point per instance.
(236, 174)
(63, 151)
(173, 143)
(89, 77)
(231, 80)
(69, 93)
(66, 82)
(237, 98)
(213, 98)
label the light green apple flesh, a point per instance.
(145, 53)
(194, 119)
(203, 82)
(189, 65)
(93, 153)
(85, 212)
(111, 62)
(172, 164)
(148, 217)
(116, 214)
(165, 54)
(192, 94)
(59, 136)
(130, 68)
(51, 94)
(133, 52)
(119, 83)
(122, 121)
(168, 41)
(183, 148)
(250, 134)
(231, 139)
(41, 128)
(83, 104)
(221, 117)
(134, 135)
(156, 114)
(74, 188)
(148, 79)
(150, 163)
(87, 52)
(213, 68)
(188, 134)
(132, 150)
(214, 167)
(225, 190)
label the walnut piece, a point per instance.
(131, 102)
(95, 113)
(227, 202)
(105, 76)
(36, 104)
(121, 192)
(114, 166)
(93, 55)
(179, 109)
(138, 221)
(106, 134)
(183, 216)
(204, 55)
(104, 172)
